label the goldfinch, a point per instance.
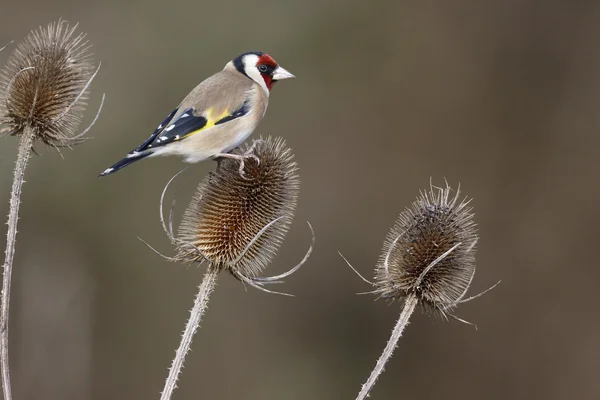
(216, 116)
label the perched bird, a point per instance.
(216, 116)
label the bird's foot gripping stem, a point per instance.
(243, 157)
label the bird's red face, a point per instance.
(261, 68)
(266, 66)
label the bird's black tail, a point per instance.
(131, 158)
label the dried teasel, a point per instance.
(43, 93)
(236, 223)
(44, 85)
(428, 258)
(430, 251)
(229, 210)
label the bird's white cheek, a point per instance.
(253, 73)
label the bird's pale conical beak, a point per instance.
(281, 74)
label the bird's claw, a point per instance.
(241, 170)
(243, 163)
(254, 157)
(255, 142)
(242, 157)
(249, 154)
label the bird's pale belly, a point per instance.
(205, 144)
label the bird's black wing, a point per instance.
(160, 127)
(186, 124)
(171, 130)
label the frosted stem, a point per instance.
(25, 146)
(196, 313)
(409, 306)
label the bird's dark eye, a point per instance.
(262, 68)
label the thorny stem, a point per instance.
(409, 306)
(196, 313)
(15, 200)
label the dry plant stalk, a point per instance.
(428, 258)
(43, 93)
(235, 223)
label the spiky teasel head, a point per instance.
(430, 251)
(237, 222)
(44, 85)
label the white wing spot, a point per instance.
(170, 128)
(160, 127)
(185, 115)
(107, 171)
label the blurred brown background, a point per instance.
(501, 96)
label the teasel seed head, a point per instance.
(430, 251)
(44, 85)
(237, 222)
(229, 210)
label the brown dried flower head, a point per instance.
(44, 85)
(430, 251)
(238, 223)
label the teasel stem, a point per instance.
(196, 313)
(410, 304)
(25, 146)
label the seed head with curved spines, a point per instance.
(430, 251)
(229, 211)
(44, 84)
